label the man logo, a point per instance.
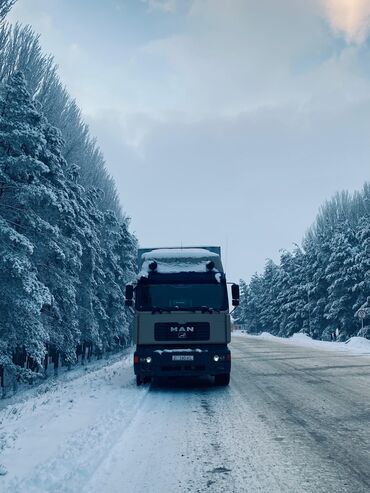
(182, 329)
(182, 332)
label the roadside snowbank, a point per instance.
(355, 345)
(25, 390)
(55, 436)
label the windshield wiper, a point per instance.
(157, 309)
(203, 309)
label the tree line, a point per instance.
(318, 287)
(66, 252)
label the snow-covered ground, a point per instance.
(355, 345)
(99, 432)
(294, 418)
(65, 425)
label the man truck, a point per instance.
(182, 319)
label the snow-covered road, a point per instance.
(294, 419)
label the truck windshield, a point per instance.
(181, 296)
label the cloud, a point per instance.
(350, 18)
(36, 14)
(235, 177)
(239, 54)
(241, 115)
(167, 6)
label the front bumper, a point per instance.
(181, 362)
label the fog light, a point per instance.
(216, 358)
(148, 359)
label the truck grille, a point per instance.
(191, 331)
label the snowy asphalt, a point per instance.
(294, 419)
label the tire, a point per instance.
(138, 380)
(222, 380)
(147, 379)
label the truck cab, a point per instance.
(182, 320)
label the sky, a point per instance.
(223, 122)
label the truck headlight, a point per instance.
(148, 359)
(216, 358)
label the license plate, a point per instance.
(181, 357)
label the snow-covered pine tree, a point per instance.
(269, 313)
(22, 52)
(65, 259)
(82, 256)
(23, 296)
(86, 233)
(59, 254)
(291, 297)
(5, 6)
(319, 288)
(341, 276)
(362, 262)
(253, 308)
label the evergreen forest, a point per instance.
(66, 251)
(317, 288)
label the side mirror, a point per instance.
(129, 294)
(235, 294)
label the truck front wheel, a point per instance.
(138, 380)
(222, 380)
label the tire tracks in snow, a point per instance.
(79, 454)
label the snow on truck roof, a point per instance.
(172, 260)
(179, 253)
